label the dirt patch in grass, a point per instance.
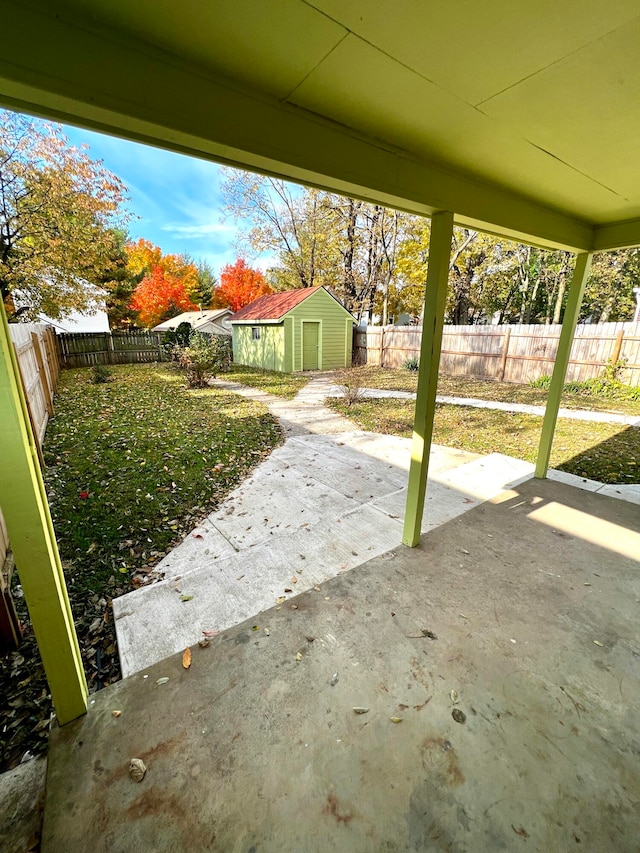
(132, 466)
(284, 385)
(483, 389)
(608, 453)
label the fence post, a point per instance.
(617, 348)
(160, 350)
(381, 346)
(42, 373)
(505, 355)
(110, 349)
(26, 513)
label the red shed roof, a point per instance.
(274, 306)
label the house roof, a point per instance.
(525, 121)
(194, 318)
(274, 306)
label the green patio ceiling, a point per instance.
(521, 118)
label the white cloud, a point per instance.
(194, 231)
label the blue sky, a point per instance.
(176, 200)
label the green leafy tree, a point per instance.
(59, 211)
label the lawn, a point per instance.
(605, 452)
(284, 385)
(484, 389)
(132, 466)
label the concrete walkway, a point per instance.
(330, 498)
(330, 390)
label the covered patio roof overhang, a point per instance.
(522, 121)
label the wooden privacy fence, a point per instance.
(37, 352)
(88, 348)
(513, 353)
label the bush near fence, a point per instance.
(513, 353)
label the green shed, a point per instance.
(307, 329)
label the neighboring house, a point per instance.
(79, 322)
(305, 329)
(214, 321)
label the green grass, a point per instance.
(483, 389)
(605, 452)
(284, 385)
(132, 466)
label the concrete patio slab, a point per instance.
(257, 747)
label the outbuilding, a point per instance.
(306, 329)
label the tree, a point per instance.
(160, 296)
(207, 282)
(240, 285)
(58, 213)
(167, 283)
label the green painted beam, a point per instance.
(430, 346)
(26, 513)
(62, 68)
(569, 322)
(622, 235)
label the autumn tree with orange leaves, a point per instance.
(240, 285)
(167, 283)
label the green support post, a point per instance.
(569, 322)
(26, 512)
(430, 346)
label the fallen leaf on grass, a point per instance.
(186, 658)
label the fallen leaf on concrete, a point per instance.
(358, 710)
(427, 633)
(521, 831)
(294, 579)
(454, 697)
(186, 658)
(294, 606)
(310, 639)
(210, 633)
(299, 656)
(197, 535)
(464, 550)
(458, 715)
(280, 599)
(334, 679)
(396, 719)
(267, 631)
(184, 597)
(162, 680)
(255, 627)
(598, 643)
(137, 769)
(288, 589)
(317, 588)
(116, 713)
(203, 642)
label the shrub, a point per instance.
(349, 382)
(176, 339)
(100, 373)
(543, 381)
(204, 358)
(412, 364)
